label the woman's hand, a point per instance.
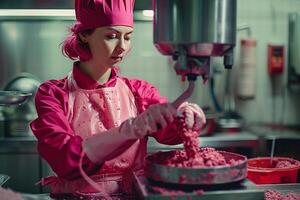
(193, 115)
(156, 117)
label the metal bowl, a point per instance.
(3, 179)
(13, 97)
(198, 176)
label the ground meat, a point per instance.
(7, 194)
(276, 195)
(211, 157)
(283, 164)
(169, 192)
(88, 197)
(190, 139)
(192, 155)
(205, 157)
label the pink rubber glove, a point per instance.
(193, 114)
(8, 194)
(156, 117)
(106, 145)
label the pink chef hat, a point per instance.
(91, 14)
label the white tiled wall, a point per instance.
(268, 20)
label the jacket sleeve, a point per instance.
(57, 143)
(146, 95)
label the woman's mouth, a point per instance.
(116, 58)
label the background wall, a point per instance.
(268, 22)
(34, 47)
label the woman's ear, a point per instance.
(83, 37)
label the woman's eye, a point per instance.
(127, 38)
(111, 36)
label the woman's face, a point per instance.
(109, 45)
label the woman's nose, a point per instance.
(121, 45)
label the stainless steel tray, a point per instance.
(3, 179)
(13, 97)
(198, 176)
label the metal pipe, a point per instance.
(185, 95)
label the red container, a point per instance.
(262, 171)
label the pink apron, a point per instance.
(95, 111)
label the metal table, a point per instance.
(20, 160)
(246, 190)
(36, 196)
(18, 145)
(218, 140)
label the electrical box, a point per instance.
(275, 59)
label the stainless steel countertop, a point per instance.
(250, 138)
(246, 191)
(36, 197)
(268, 132)
(18, 145)
(218, 140)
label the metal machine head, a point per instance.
(192, 31)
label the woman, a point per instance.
(97, 113)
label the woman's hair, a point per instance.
(74, 48)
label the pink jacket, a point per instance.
(58, 144)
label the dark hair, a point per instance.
(74, 48)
